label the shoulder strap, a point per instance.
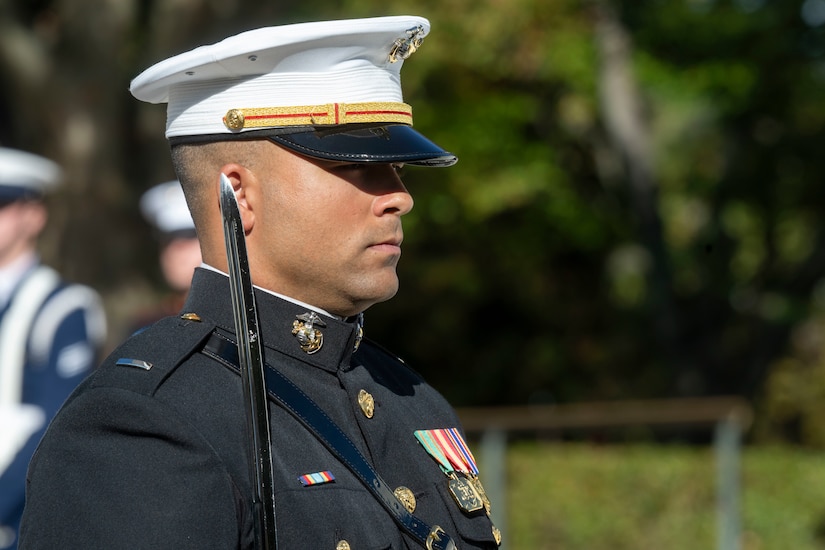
(14, 330)
(156, 352)
(321, 426)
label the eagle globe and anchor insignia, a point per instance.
(405, 47)
(305, 329)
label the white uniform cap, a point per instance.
(297, 84)
(164, 206)
(25, 175)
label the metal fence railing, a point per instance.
(728, 417)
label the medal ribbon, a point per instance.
(425, 437)
(449, 449)
(461, 446)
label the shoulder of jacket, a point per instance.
(145, 360)
(380, 353)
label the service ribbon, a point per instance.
(317, 478)
(434, 449)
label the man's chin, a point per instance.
(378, 295)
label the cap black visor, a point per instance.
(12, 193)
(386, 144)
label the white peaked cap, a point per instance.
(26, 174)
(293, 79)
(164, 206)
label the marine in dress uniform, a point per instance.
(51, 332)
(151, 451)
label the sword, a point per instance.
(252, 369)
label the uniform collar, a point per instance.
(209, 298)
(281, 296)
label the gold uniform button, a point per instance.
(406, 497)
(191, 317)
(367, 403)
(342, 545)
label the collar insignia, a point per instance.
(304, 328)
(359, 332)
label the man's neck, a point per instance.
(12, 272)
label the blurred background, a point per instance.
(636, 216)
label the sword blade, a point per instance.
(250, 356)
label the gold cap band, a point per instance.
(312, 115)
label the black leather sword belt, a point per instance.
(299, 404)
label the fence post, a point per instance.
(727, 445)
(493, 476)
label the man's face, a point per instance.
(20, 223)
(329, 233)
(178, 260)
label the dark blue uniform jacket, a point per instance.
(157, 458)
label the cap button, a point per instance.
(367, 403)
(234, 119)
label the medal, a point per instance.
(448, 448)
(465, 494)
(482, 493)
(466, 463)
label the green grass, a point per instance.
(638, 497)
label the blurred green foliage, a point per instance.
(560, 260)
(565, 496)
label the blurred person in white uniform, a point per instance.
(51, 332)
(164, 208)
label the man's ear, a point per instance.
(247, 191)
